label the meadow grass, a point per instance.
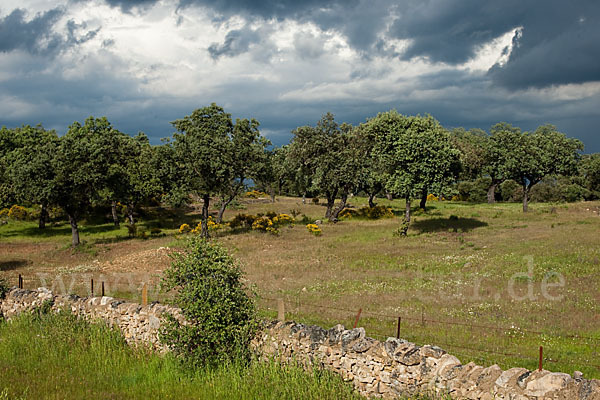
(61, 357)
(460, 263)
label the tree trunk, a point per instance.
(224, 204)
(74, 230)
(334, 214)
(43, 216)
(330, 203)
(272, 194)
(115, 216)
(491, 193)
(130, 213)
(371, 198)
(206, 202)
(403, 231)
(525, 197)
(304, 198)
(423, 202)
(389, 196)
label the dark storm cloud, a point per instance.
(236, 42)
(37, 36)
(128, 5)
(557, 43)
(560, 46)
(452, 31)
(34, 36)
(359, 21)
(279, 9)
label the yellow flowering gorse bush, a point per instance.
(283, 219)
(185, 228)
(211, 224)
(17, 212)
(255, 194)
(314, 229)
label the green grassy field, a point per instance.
(485, 282)
(60, 357)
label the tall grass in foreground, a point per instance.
(61, 357)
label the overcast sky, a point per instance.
(143, 63)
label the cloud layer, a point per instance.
(144, 63)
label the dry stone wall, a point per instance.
(139, 324)
(376, 369)
(397, 367)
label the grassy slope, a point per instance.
(59, 357)
(448, 269)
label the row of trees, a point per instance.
(525, 157)
(211, 156)
(93, 163)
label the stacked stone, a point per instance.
(396, 367)
(138, 324)
(376, 369)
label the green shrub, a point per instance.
(268, 214)
(558, 189)
(574, 192)
(265, 224)
(221, 317)
(511, 191)
(543, 192)
(367, 212)
(131, 230)
(242, 221)
(348, 213)
(474, 191)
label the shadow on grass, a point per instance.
(13, 264)
(116, 239)
(417, 211)
(453, 224)
(52, 231)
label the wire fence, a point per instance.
(423, 323)
(424, 320)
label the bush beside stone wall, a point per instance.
(376, 369)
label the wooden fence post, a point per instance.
(398, 331)
(92, 286)
(280, 310)
(145, 294)
(357, 317)
(541, 358)
(102, 288)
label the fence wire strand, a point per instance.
(462, 324)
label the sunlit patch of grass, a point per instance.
(59, 356)
(449, 271)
